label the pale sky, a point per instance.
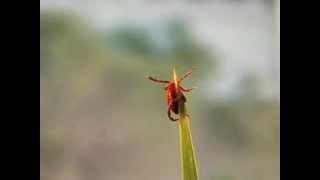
(246, 35)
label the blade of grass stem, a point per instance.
(187, 152)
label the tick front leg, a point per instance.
(185, 75)
(157, 80)
(186, 90)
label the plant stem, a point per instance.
(187, 153)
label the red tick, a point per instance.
(174, 93)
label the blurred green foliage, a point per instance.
(97, 107)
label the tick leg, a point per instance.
(186, 90)
(169, 113)
(185, 75)
(157, 80)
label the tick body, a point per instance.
(174, 93)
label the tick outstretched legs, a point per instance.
(186, 90)
(174, 93)
(185, 75)
(158, 80)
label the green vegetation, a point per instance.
(98, 112)
(188, 157)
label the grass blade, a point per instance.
(187, 152)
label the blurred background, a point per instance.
(102, 120)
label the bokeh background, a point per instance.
(102, 120)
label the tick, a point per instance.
(174, 92)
